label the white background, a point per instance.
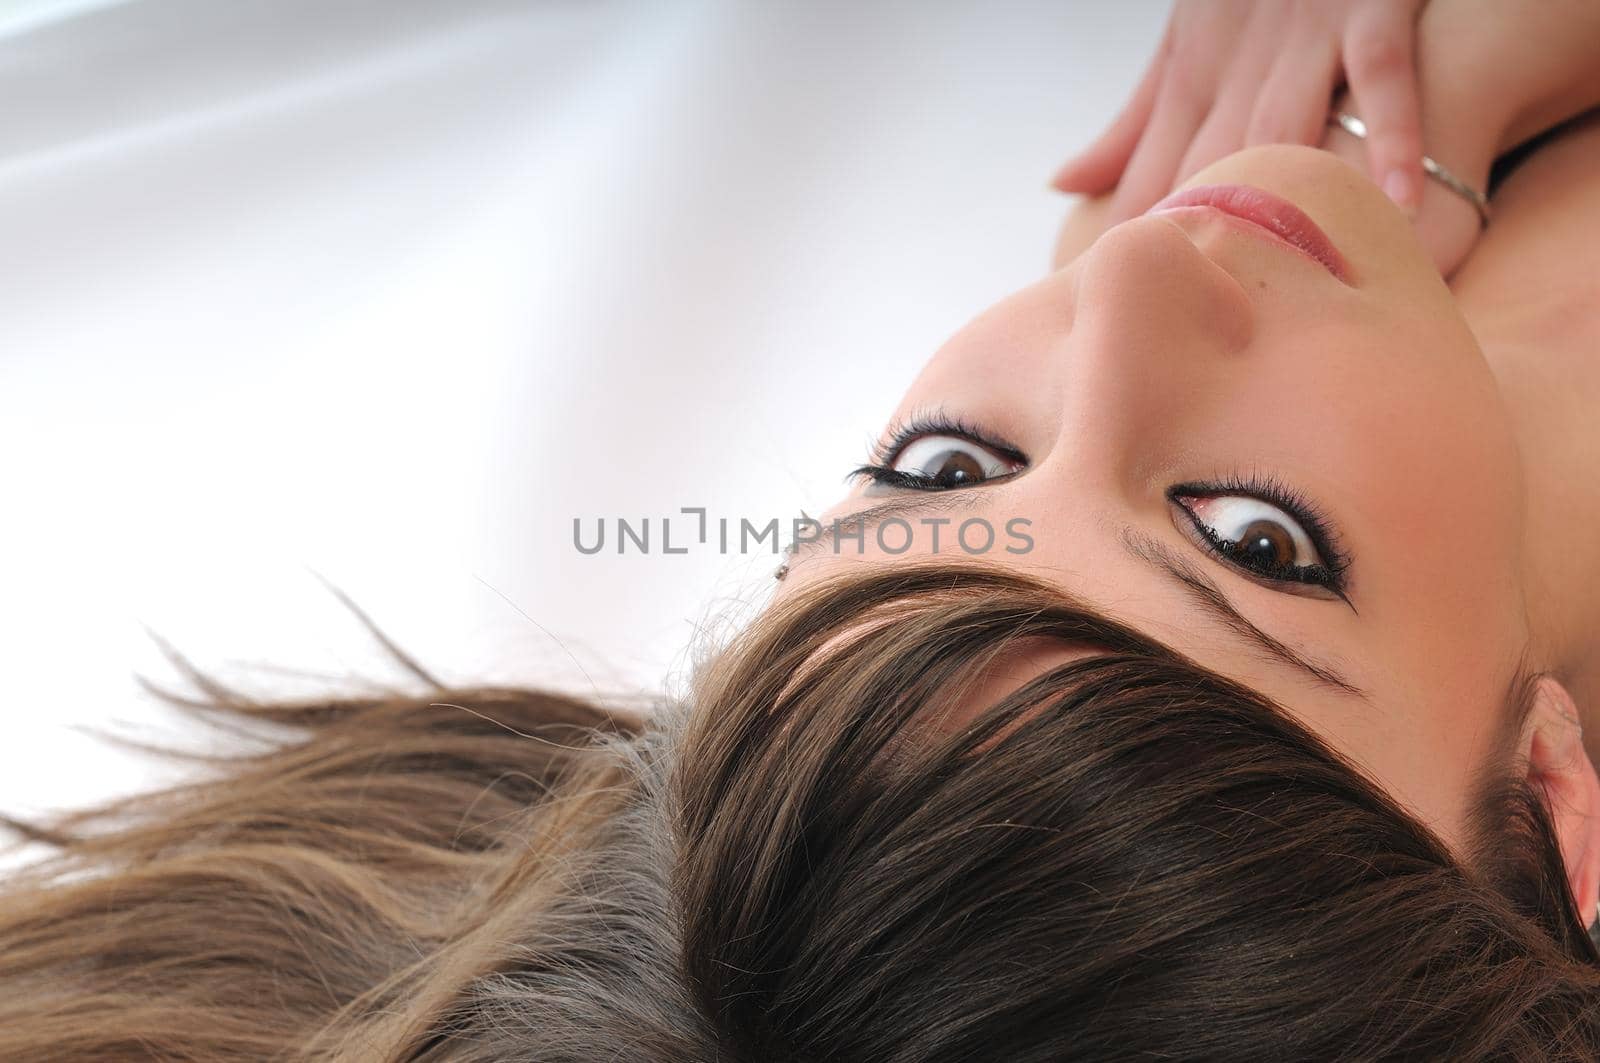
(392, 290)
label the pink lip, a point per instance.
(1278, 217)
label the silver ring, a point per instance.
(1480, 202)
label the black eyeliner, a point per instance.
(901, 434)
(1331, 574)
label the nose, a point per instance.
(1157, 328)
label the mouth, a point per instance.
(1277, 218)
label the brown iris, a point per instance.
(1267, 544)
(954, 468)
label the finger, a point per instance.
(1446, 226)
(1380, 63)
(1223, 130)
(1181, 106)
(1221, 133)
(1097, 168)
(1292, 106)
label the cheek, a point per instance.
(1413, 440)
(1428, 764)
(999, 367)
(1440, 487)
(1435, 516)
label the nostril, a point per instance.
(1156, 285)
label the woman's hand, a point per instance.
(1488, 76)
(1445, 224)
(1491, 76)
(1232, 73)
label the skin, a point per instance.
(1470, 81)
(1233, 73)
(1444, 434)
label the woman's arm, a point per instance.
(1530, 65)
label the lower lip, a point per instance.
(1278, 217)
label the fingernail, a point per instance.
(1401, 187)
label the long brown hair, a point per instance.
(1130, 857)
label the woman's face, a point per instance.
(1305, 482)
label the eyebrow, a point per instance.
(1208, 596)
(1199, 587)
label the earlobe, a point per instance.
(1564, 777)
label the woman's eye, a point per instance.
(946, 461)
(1257, 535)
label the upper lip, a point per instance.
(1277, 216)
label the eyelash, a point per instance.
(1335, 561)
(902, 434)
(1330, 574)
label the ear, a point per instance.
(1564, 777)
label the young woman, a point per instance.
(1268, 747)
